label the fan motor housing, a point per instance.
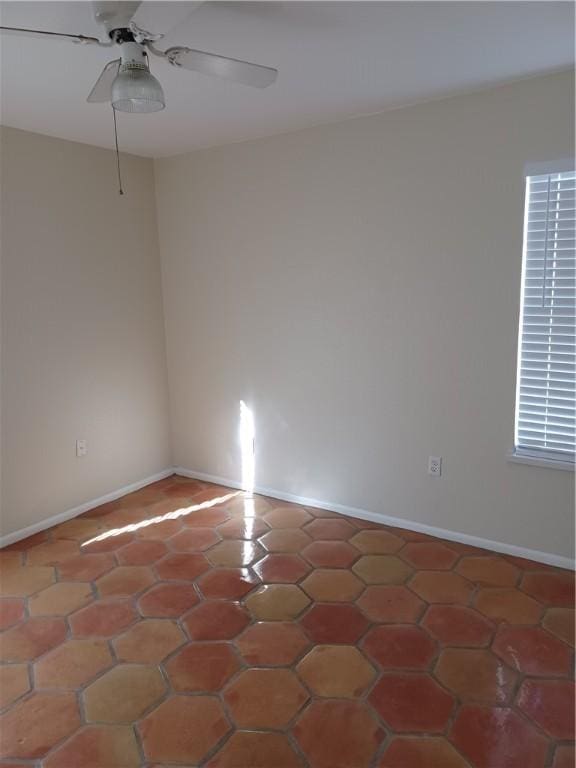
(130, 50)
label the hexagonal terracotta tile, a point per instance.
(441, 587)
(10, 559)
(182, 567)
(508, 605)
(564, 757)
(149, 641)
(95, 746)
(550, 704)
(490, 570)
(407, 751)
(490, 736)
(202, 667)
(475, 675)
(319, 512)
(207, 611)
(429, 556)
(234, 554)
(180, 486)
(116, 521)
(285, 540)
(560, 621)
(21, 582)
(458, 626)
(400, 647)
(265, 698)
(103, 618)
(79, 529)
(51, 552)
(37, 723)
(382, 569)
(332, 585)
(362, 524)
(125, 581)
(183, 729)
(277, 602)
(85, 567)
(14, 683)
(338, 734)
(528, 565)
(142, 552)
(206, 518)
(193, 540)
(393, 698)
(257, 750)
(243, 528)
(216, 620)
(555, 588)
(532, 651)
(30, 541)
(219, 496)
(409, 535)
(330, 554)
(109, 543)
(390, 604)
(250, 507)
(328, 529)
(161, 530)
(271, 644)
(336, 671)
(287, 517)
(60, 599)
(168, 600)
(123, 694)
(10, 764)
(31, 638)
(282, 567)
(73, 663)
(11, 611)
(377, 542)
(330, 623)
(227, 583)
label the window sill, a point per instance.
(539, 461)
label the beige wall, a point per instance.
(358, 285)
(82, 331)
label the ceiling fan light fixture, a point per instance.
(135, 89)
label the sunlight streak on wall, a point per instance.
(247, 434)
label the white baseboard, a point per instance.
(396, 522)
(62, 517)
(363, 514)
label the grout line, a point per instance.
(243, 665)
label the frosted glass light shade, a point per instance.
(136, 90)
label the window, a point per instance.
(545, 396)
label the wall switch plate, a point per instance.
(81, 448)
(435, 466)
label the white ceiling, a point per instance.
(336, 60)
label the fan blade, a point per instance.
(102, 89)
(114, 14)
(162, 17)
(221, 66)
(57, 35)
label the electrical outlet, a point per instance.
(81, 448)
(435, 466)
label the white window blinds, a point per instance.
(545, 400)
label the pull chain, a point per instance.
(120, 190)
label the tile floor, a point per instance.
(183, 625)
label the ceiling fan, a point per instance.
(126, 82)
